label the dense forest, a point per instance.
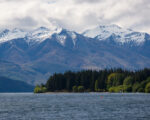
(112, 80)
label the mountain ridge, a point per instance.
(121, 35)
(101, 32)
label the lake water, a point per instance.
(69, 106)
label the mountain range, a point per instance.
(32, 56)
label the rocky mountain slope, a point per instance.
(32, 56)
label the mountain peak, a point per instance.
(42, 33)
(36, 35)
(66, 36)
(104, 29)
(103, 32)
(15, 33)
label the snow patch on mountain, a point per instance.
(42, 33)
(6, 35)
(37, 35)
(66, 36)
(121, 35)
(61, 39)
(73, 36)
(103, 30)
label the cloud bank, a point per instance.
(75, 15)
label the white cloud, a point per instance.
(75, 14)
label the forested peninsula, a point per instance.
(112, 80)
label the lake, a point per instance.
(74, 106)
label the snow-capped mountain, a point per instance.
(121, 35)
(102, 33)
(7, 35)
(41, 34)
(34, 55)
(37, 35)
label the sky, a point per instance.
(76, 15)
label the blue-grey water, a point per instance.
(69, 106)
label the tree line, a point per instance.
(112, 80)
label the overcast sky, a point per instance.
(75, 15)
